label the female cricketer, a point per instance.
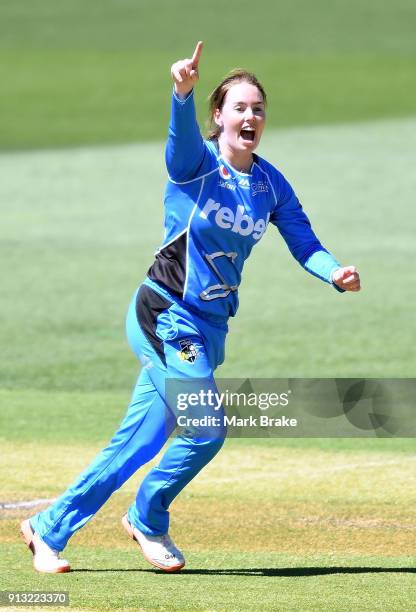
(219, 200)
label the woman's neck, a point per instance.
(241, 161)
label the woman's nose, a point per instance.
(249, 113)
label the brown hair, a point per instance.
(217, 97)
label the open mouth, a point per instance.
(248, 134)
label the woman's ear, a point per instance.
(217, 117)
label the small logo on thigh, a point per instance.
(188, 351)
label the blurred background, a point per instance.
(84, 107)
(76, 72)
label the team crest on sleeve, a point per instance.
(188, 351)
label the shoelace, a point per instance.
(46, 551)
(50, 553)
(165, 540)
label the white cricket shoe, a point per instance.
(159, 551)
(45, 558)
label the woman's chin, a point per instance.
(247, 145)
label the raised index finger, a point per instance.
(197, 54)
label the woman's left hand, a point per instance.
(347, 278)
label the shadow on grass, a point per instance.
(268, 571)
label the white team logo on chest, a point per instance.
(238, 222)
(259, 187)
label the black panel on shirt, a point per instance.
(149, 305)
(169, 267)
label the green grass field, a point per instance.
(308, 525)
(289, 524)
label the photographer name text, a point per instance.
(236, 421)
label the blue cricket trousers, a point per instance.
(171, 342)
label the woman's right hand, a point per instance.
(185, 72)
